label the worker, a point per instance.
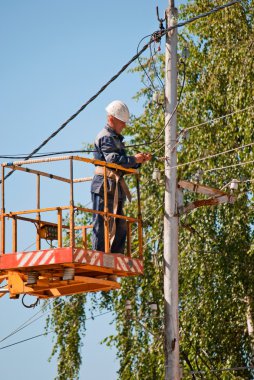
(109, 147)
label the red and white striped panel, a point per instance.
(55, 256)
(88, 257)
(126, 264)
(35, 258)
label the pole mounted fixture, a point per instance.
(161, 20)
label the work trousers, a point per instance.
(98, 225)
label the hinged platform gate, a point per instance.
(65, 270)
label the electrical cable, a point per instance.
(23, 156)
(141, 65)
(212, 156)
(128, 146)
(83, 106)
(155, 37)
(29, 246)
(49, 332)
(216, 119)
(32, 305)
(149, 242)
(152, 55)
(103, 88)
(236, 181)
(176, 107)
(185, 130)
(170, 118)
(159, 134)
(25, 340)
(180, 97)
(202, 15)
(24, 324)
(228, 166)
(39, 155)
(137, 55)
(223, 369)
(143, 220)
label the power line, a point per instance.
(49, 332)
(185, 130)
(23, 156)
(137, 55)
(25, 340)
(213, 155)
(45, 154)
(202, 15)
(140, 63)
(29, 246)
(155, 37)
(52, 331)
(216, 119)
(171, 116)
(149, 242)
(24, 324)
(237, 181)
(228, 166)
(223, 369)
(62, 126)
(154, 65)
(150, 214)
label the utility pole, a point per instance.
(171, 335)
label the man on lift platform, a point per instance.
(109, 147)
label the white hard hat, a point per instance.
(119, 110)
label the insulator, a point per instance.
(156, 174)
(156, 97)
(32, 278)
(234, 184)
(68, 274)
(185, 53)
(186, 135)
(180, 198)
(198, 175)
(128, 305)
(153, 307)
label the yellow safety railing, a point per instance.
(19, 215)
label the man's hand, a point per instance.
(147, 156)
(142, 157)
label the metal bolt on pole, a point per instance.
(171, 335)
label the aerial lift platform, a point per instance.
(65, 270)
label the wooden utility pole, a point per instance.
(171, 336)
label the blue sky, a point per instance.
(55, 54)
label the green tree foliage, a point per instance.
(216, 260)
(216, 250)
(67, 320)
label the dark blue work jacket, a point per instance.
(109, 147)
